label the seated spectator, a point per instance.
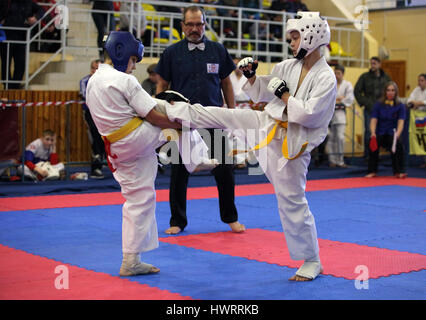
(50, 33)
(15, 14)
(176, 22)
(150, 83)
(127, 7)
(41, 159)
(386, 125)
(336, 132)
(252, 15)
(417, 100)
(230, 27)
(278, 5)
(295, 6)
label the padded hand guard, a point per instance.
(244, 63)
(278, 87)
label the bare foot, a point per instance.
(299, 278)
(371, 175)
(401, 175)
(237, 227)
(154, 270)
(173, 230)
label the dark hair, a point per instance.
(423, 75)
(97, 61)
(396, 99)
(48, 132)
(193, 9)
(376, 58)
(151, 68)
(339, 67)
(107, 59)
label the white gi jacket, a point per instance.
(309, 110)
(237, 85)
(125, 99)
(418, 95)
(347, 91)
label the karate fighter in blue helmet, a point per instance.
(300, 95)
(130, 122)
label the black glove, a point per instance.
(170, 95)
(244, 63)
(277, 87)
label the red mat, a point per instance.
(115, 198)
(24, 276)
(338, 258)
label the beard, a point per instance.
(195, 37)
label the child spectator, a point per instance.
(41, 159)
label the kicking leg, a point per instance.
(192, 148)
(197, 116)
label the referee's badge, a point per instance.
(213, 68)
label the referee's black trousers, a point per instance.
(224, 177)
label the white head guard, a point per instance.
(314, 32)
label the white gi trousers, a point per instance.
(336, 143)
(289, 183)
(136, 170)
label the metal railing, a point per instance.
(269, 47)
(260, 43)
(32, 36)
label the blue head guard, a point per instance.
(121, 45)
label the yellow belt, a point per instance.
(118, 135)
(268, 139)
(124, 130)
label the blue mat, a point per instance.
(27, 188)
(90, 237)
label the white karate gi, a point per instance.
(241, 102)
(237, 85)
(418, 95)
(114, 98)
(336, 134)
(41, 159)
(309, 111)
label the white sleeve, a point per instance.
(258, 92)
(349, 95)
(138, 98)
(316, 112)
(412, 96)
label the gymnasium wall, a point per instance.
(402, 32)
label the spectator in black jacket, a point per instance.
(16, 13)
(104, 22)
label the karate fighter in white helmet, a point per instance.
(300, 95)
(130, 123)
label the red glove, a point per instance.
(373, 144)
